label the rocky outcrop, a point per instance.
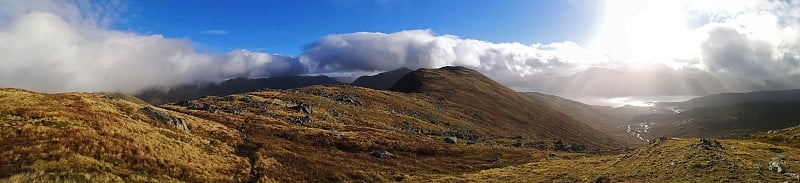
(163, 117)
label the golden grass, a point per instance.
(76, 137)
(676, 160)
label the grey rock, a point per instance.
(163, 117)
(303, 107)
(777, 165)
(337, 134)
(494, 159)
(451, 140)
(709, 144)
(381, 153)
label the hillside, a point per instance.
(496, 108)
(100, 137)
(669, 160)
(730, 121)
(381, 81)
(606, 119)
(723, 99)
(158, 96)
(318, 134)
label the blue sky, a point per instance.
(286, 26)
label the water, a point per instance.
(641, 101)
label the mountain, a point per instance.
(729, 121)
(231, 86)
(722, 99)
(495, 107)
(383, 80)
(606, 119)
(647, 81)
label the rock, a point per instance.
(303, 107)
(776, 150)
(381, 153)
(602, 179)
(793, 176)
(300, 120)
(346, 100)
(165, 118)
(777, 165)
(209, 108)
(494, 159)
(231, 110)
(451, 140)
(398, 177)
(337, 134)
(709, 144)
(247, 98)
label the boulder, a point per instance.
(451, 140)
(163, 117)
(381, 153)
(709, 144)
(303, 107)
(777, 165)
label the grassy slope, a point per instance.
(500, 108)
(96, 137)
(605, 119)
(675, 160)
(732, 121)
(286, 151)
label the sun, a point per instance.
(646, 32)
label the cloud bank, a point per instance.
(57, 46)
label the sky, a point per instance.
(131, 46)
(286, 26)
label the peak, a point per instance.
(445, 78)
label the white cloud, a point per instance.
(216, 32)
(57, 46)
(53, 46)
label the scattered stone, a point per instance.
(381, 153)
(398, 177)
(561, 146)
(303, 107)
(165, 118)
(777, 165)
(776, 150)
(231, 110)
(209, 108)
(300, 120)
(337, 134)
(247, 98)
(659, 140)
(709, 144)
(183, 103)
(793, 176)
(494, 159)
(451, 140)
(346, 100)
(602, 179)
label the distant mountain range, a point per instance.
(723, 99)
(648, 81)
(158, 96)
